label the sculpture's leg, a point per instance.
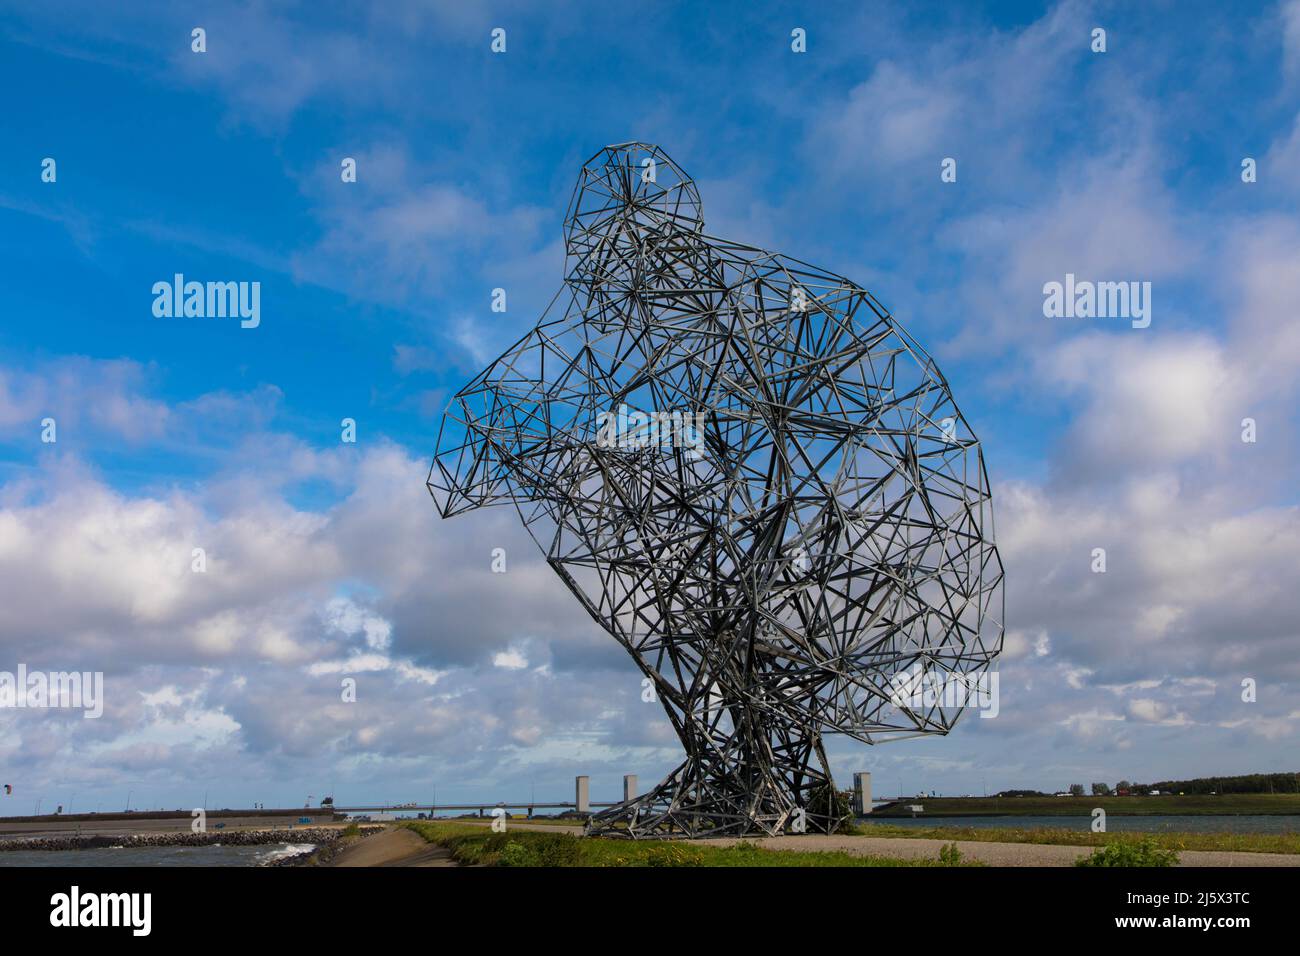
(764, 778)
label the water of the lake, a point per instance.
(1114, 823)
(154, 856)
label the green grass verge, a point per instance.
(521, 820)
(1142, 853)
(477, 845)
(1241, 842)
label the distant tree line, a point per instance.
(1249, 783)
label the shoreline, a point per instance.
(315, 835)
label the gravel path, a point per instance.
(396, 847)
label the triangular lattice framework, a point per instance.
(830, 530)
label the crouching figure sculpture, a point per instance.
(789, 514)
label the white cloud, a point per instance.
(80, 395)
(893, 117)
(1290, 15)
(1156, 712)
(1105, 218)
(345, 616)
(1147, 400)
(402, 231)
(1017, 644)
(510, 660)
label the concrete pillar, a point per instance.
(629, 786)
(862, 794)
(582, 796)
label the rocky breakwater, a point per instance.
(313, 835)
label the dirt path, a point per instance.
(397, 847)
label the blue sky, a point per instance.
(328, 558)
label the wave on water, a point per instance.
(283, 851)
(267, 854)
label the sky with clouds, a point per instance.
(327, 559)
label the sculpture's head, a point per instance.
(629, 196)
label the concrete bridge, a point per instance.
(154, 821)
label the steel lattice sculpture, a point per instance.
(753, 479)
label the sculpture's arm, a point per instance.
(503, 433)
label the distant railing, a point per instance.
(529, 805)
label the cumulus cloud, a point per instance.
(971, 95)
(238, 665)
(403, 229)
(1107, 218)
(891, 118)
(1147, 402)
(512, 659)
(104, 396)
(1289, 12)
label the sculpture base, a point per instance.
(691, 805)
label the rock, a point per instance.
(313, 835)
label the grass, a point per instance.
(1229, 804)
(477, 845)
(521, 820)
(1142, 853)
(1240, 842)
